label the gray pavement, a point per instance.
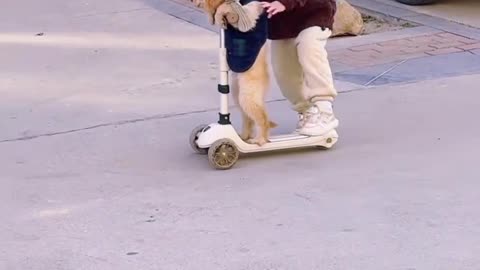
(438, 20)
(417, 69)
(96, 170)
(460, 11)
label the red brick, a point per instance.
(395, 43)
(423, 39)
(370, 53)
(359, 59)
(416, 55)
(412, 46)
(446, 35)
(458, 38)
(417, 49)
(470, 47)
(398, 50)
(353, 62)
(444, 51)
(406, 56)
(392, 49)
(447, 44)
(365, 47)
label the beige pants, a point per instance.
(302, 69)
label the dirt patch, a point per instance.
(377, 24)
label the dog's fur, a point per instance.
(250, 87)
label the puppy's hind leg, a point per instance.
(254, 85)
(247, 122)
(251, 102)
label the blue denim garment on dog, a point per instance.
(244, 47)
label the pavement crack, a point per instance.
(302, 196)
(132, 121)
(385, 72)
(115, 123)
(112, 12)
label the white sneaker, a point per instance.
(301, 122)
(318, 120)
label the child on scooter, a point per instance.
(298, 30)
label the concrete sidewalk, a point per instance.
(412, 14)
(460, 11)
(96, 171)
(400, 183)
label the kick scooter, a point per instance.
(221, 142)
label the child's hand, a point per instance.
(273, 8)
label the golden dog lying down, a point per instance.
(247, 49)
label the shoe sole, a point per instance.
(309, 133)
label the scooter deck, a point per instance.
(278, 142)
(288, 141)
(286, 137)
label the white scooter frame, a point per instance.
(223, 144)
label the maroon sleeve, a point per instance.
(291, 4)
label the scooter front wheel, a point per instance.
(193, 140)
(223, 154)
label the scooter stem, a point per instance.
(223, 86)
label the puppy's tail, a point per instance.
(272, 124)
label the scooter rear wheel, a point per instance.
(223, 154)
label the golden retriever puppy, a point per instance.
(245, 40)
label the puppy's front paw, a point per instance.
(211, 19)
(221, 22)
(246, 136)
(221, 15)
(260, 141)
